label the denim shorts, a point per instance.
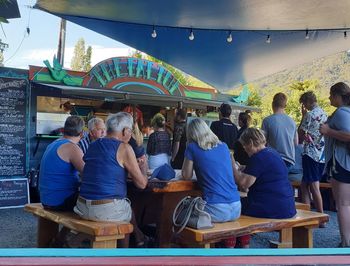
(224, 212)
(117, 211)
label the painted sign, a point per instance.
(124, 74)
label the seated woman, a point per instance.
(210, 158)
(159, 145)
(266, 176)
(108, 163)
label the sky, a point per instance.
(42, 42)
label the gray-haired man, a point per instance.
(97, 129)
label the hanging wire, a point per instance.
(25, 35)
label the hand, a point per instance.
(324, 129)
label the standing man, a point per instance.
(313, 155)
(179, 139)
(97, 129)
(224, 129)
(281, 131)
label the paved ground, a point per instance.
(18, 230)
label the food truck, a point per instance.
(36, 102)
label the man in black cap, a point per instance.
(224, 129)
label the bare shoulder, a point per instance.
(71, 148)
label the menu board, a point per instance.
(13, 192)
(13, 103)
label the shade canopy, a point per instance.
(298, 32)
(8, 10)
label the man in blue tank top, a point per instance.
(108, 163)
(59, 168)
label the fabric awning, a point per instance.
(209, 56)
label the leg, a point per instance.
(285, 239)
(138, 234)
(302, 237)
(305, 193)
(47, 230)
(341, 194)
(316, 195)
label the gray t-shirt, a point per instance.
(339, 120)
(280, 131)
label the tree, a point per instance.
(1, 59)
(81, 60)
(87, 59)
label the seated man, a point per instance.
(59, 167)
(97, 129)
(108, 163)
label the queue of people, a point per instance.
(223, 158)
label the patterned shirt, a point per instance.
(313, 140)
(84, 142)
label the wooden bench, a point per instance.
(103, 234)
(294, 232)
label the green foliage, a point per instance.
(293, 92)
(87, 59)
(184, 78)
(81, 60)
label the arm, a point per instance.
(126, 157)
(187, 169)
(333, 133)
(76, 158)
(244, 181)
(175, 150)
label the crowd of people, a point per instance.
(88, 173)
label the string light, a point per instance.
(154, 33)
(307, 36)
(229, 37)
(191, 36)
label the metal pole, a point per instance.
(61, 42)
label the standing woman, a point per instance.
(337, 153)
(244, 120)
(159, 145)
(313, 155)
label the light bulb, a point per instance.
(229, 37)
(154, 33)
(268, 39)
(191, 37)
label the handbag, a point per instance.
(190, 212)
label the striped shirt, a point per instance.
(84, 143)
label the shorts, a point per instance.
(341, 174)
(119, 210)
(224, 212)
(312, 170)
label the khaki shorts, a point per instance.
(119, 210)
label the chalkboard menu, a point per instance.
(13, 103)
(13, 192)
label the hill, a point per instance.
(327, 71)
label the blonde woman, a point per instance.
(212, 163)
(159, 144)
